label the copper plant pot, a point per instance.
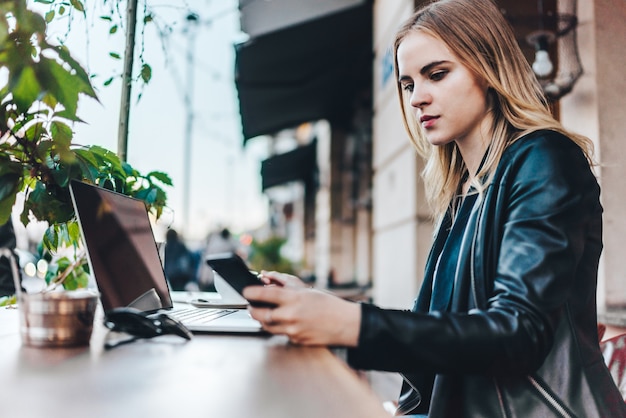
(57, 319)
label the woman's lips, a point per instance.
(428, 121)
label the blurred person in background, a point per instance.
(180, 263)
(7, 240)
(219, 241)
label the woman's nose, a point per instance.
(419, 97)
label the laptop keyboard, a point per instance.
(199, 316)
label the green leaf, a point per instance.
(4, 35)
(129, 170)
(113, 29)
(148, 195)
(82, 76)
(82, 278)
(64, 236)
(115, 55)
(73, 231)
(77, 279)
(8, 166)
(51, 273)
(146, 73)
(87, 157)
(78, 5)
(33, 23)
(62, 10)
(10, 185)
(70, 282)
(49, 100)
(50, 16)
(109, 81)
(26, 89)
(43, 149)
(59, 82)
(8, 300)
(107, 18)
(61, 134)
(62, 175)
(65, 114)
(63, 263)
(160, 176)
(34, 132)
(51, 239)
(54, 207)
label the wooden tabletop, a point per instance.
(224, 376)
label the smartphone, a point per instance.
(234, 270)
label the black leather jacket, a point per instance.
(519, 337)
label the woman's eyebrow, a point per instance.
(426, 68)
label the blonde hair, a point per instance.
(477, 33)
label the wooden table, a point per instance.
(212, 375)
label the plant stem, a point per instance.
(80, 260)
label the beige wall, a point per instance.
(342, 220)
(610, 62)
(322, 205)
(401, 231)
(596, 108)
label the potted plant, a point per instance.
(40, 85)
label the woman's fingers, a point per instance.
(276, 318)
(281, 279)
(307, 317)
(271, 294)
(273, 277)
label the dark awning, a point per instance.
(297, 165)
(310, 71)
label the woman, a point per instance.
(505, 323)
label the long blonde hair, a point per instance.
(477, 33)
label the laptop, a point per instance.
(124, 260)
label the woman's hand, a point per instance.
(281, 279)
(306, 316)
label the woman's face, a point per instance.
(449, 102)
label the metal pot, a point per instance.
(57, 319)
(53, 319)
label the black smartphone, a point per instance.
(234, 270)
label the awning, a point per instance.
(297, 165)
(314, 70)
(259, 17)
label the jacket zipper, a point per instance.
(414, 402)
(549, 398)
(500, 399)
(472, 252)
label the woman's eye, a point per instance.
(407, 87)
(438, 75)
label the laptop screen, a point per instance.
(120, 245)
